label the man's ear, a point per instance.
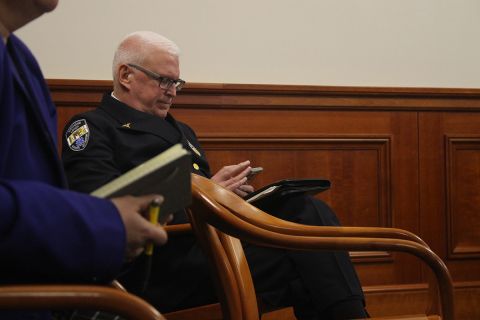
(124, 75)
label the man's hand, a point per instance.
(244, 189)
(139, 229)
(234, 178)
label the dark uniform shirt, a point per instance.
(116, 138)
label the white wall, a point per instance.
(419, 43)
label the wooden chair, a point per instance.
(64, 297)
(219, 218)
(206, 312)
(213, 311)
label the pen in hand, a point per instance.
(153, 214)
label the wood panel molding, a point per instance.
(384, 301)
(333, 158)
(251, 96)
(412, 298)
(463, 190)
(346, 161)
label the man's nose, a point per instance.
(172, 91)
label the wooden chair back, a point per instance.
(231, 273)
(218, 214)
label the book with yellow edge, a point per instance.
(167, 174)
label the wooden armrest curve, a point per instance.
(55, 297)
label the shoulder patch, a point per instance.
(77, 135)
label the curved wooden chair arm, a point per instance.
(216, 206)
(178, 229)
(57, 297)
(251, 214)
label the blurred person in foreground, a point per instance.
(47, 233)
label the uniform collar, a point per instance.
(132, 119)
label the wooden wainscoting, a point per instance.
(401, 157)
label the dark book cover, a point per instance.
(287, 187)
(167, 174)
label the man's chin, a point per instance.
(161, 113)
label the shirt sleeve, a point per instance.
(93, 166)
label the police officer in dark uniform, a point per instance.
(133, 125)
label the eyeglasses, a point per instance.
(163, 82)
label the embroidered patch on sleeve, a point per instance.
(77, 135)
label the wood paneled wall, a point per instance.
(400, 157)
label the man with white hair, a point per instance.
(132, 125)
